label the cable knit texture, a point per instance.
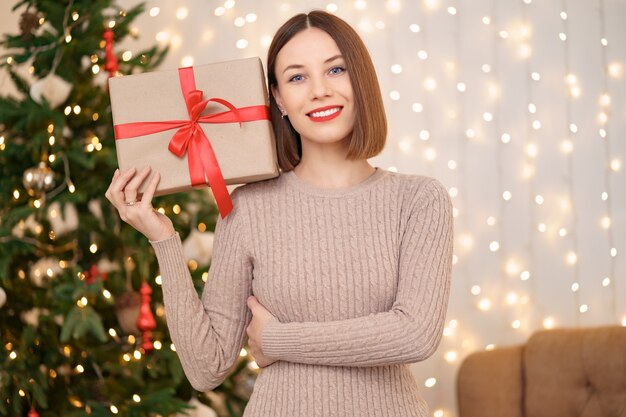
(358, 279)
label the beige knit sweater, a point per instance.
(358, 279)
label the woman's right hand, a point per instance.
(139, 213)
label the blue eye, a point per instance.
(337, 70)
(296, 78)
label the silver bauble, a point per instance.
(38, 179)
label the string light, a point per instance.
(182, 13)
(332, 8)
(430, 382)
(484, 304)
(394, 6)
(430, 84)
(616, 70)
(431, 4)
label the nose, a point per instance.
(320, 87)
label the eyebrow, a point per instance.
(295, 66)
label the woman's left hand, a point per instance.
(260, 317)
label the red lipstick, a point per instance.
(325, 118)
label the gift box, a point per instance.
(200, 126)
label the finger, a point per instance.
(120, 182)
(116, 193)
(130, 191)
(146, 199)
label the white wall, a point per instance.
(458, 46)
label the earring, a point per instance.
(282, 113)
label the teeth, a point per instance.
(325, 112)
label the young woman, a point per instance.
(338, 272)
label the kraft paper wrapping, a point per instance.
(245, 154)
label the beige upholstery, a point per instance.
(557, 373)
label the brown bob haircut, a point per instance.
(370, 124)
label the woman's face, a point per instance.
(314, 87)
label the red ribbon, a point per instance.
(190, 136)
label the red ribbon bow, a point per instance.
(190, 137)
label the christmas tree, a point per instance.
(81, 316)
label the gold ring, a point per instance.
(132, 203)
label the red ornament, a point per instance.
(146, 322)
(93, 274)
(33, 412)
(110, 64)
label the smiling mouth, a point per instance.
(325, 114)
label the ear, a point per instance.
(277, 97)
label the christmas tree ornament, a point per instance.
(62, 220)
(93, 274)
(127, 308)
(105, 265)
(218, 402)
(44, 268)
(64, 370)
(33, 412)
(30, 225)
(54, 89)
(29, 22)
(3, 297)
(198, 409)
(31, 317)
(199, 246)
(38, 180)
(95, 207)
(146, 322)
(111, 63)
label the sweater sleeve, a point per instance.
(208, 332)
(412, 329)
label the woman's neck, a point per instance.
(330, 174)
